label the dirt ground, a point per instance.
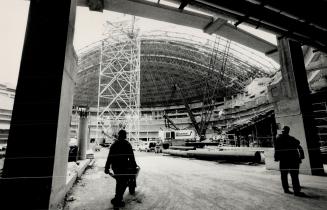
(167, 182)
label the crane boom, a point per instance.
(190, 113)
(170, 121)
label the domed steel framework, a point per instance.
(169, 58)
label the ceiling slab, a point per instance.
(168, 14)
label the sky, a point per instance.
(88, 29)
(13, 17)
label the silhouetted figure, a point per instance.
(122, 162)
(289, 153)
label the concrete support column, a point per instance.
(88, 137)
(291, 98)
(58, 189)
(82, 133)
(35, 166)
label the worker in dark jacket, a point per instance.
(122, 162)
(289, 153)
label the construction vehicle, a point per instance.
(148, 146)
(215, 75)
(176, 137)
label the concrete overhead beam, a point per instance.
(214, 26)
(247, 39)
(186, 18)
(154, 11)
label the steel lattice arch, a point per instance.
(168, 58)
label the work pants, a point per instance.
(293, 169)
(121, 185)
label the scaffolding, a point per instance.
(119, 81)
(184, 57)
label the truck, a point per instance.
(148, 146)
(175, 137)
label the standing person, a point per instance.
(289, 153)
(122, 161)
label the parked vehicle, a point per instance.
(135, 145)
(175, 137)
(3, 147)
(73, 150)
(94, 146)
(148, 146)
(158, 148)
(106, 142)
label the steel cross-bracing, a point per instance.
(183, 56)
(119, 82)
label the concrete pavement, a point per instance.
(167, 182)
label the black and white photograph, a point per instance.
(163, 105)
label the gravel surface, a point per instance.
(167, 182)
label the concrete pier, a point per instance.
(292, 104)
(83, 133)
(34, 171)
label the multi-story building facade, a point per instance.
(7, 95)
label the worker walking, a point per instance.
(289, 153)
(122, 161)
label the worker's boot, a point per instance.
(117, 203)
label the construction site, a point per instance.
(180, 82)
(201, 98)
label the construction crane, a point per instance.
(208, 98)
(169, 122)
(189, 111)
(209, 93)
